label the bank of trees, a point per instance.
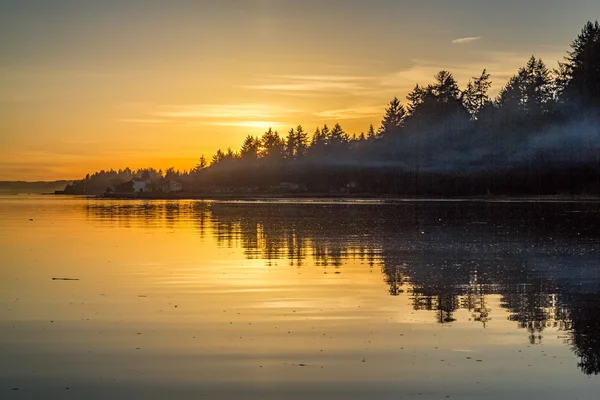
(539, 135)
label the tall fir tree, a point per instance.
(393, 120)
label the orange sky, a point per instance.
(89, 85)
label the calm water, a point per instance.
(284, 300)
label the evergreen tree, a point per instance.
(230, 155)
(338, 136)
(445, 89)
(202, 164)
(538, 87)
(218, 157)
(475, 97)
(510, 97)
(317, 139)
(530, 92)
(438, 103)
(271, 145)
(371, 135)
(415, 98)
(582, 67)
(250, 148)
(325, 134)
(393, 120)
(171, 174)
(301, 142)
(291, 145)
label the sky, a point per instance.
(98, 84)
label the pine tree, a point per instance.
(325, 134)
(317, 139)
(250, 148)
(415, 98)
(475, 97)
(393, 120)
(291, 145)
(218, 157)
(338, 136)
(301, 142)
(530, 92)
(371, 135)
(582, 67)
(202, 163)
(230, 155)
(271, 145)
(445, 88)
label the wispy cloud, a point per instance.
(219, 111)
(466, 40)
(293, 84)
(249, 124)
(350, 113)
(144, 120)
(234, 115)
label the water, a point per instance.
(296, 300)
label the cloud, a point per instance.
(218, 111)
(466, 40)
(144, 120)
(249, 124)
(294, 84)
(351, 113)
(233, 115)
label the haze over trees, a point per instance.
(539, 135)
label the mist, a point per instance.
(539, 136)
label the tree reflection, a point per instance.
(445, 257)
(583, 317)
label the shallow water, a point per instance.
(286, 300)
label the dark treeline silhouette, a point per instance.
(540, 259)
(540, 135)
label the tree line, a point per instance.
(539, 135)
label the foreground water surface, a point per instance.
(297, 300)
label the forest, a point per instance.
(539, 136)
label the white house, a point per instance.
(139, 185)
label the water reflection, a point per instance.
(540, 258)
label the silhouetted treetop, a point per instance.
(393, 120)
(582, 67)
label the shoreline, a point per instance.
(339, 197)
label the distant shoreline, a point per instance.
(337, 197)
